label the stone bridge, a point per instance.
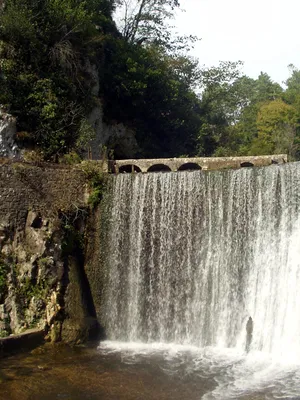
(197, 163)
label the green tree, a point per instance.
(231, 104)
(221, 101)
(44, 48)
(265, 89)
(277, 126)
(145, 20)
(152, 92)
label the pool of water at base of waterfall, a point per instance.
(136, 371)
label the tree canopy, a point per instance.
(147, 81)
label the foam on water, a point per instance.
(237, 375)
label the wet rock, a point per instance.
(79, 331)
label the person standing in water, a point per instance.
(249, 330)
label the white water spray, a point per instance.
(190, 256)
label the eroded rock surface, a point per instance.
(8, 146)
(43, 212)
(32, 269)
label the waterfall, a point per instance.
(190, 256)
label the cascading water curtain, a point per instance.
(191, 256)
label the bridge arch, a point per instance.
(247, 164)
(190, 166)
(128, 168)
(159, 168)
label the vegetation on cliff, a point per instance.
(44, 48)
(147, 80)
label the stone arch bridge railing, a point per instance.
(197, 163)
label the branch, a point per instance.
(137, 20)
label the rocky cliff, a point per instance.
(43, 214)
(113, 135)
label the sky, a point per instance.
(262, 33)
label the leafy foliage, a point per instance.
(4, 268)
(244, 116)
(29, 288)
(44, 49)
(145, 20)
(152, 92)
(147, 81)
(97, 182)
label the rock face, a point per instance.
(34, 268)
(43, 213)
(111, 136)
(115, 136)
(8, 147)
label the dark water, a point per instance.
(136, 372)
(59, 372)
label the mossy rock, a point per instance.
(79, 331)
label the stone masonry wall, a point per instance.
(45, 188)
(204, 163)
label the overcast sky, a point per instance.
(265, 34)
